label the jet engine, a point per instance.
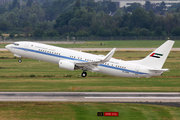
(66, 65)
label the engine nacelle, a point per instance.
(66, 65)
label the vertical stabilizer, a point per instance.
(157, 58)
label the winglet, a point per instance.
(109, 55)
(92, 66)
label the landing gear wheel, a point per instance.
(84, 74)
(19, 60)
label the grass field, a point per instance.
(117, 44)
(85, 111)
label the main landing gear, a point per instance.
(84, 74)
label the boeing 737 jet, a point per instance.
(73, 60)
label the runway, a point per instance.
(92, 96)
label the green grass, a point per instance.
(32, 75)
(85, 111)
(117, 44)
(90, 84)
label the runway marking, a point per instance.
(136, 93)
(35, 99)
(135, 97)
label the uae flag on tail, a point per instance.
(156, 55)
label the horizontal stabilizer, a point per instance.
(159, 70)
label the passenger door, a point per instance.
(137, 70)
(26, 47)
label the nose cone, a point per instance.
(8, 46)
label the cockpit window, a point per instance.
(15, 44)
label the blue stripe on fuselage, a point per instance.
(60, 56)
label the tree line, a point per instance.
(54, 18)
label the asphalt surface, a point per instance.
(92, 96)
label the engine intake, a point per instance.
(66, 65)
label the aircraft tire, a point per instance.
(84, 74)
(19, 60)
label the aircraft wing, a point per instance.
(92, 66)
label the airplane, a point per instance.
(73, 60)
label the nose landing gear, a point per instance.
(84, 74)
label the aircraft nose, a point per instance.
(7, 46)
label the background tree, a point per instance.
(2, 9)
(159, 25)
(91, 3)
(139, 18)
(77, 5)
(64, 19)
(174, 8)
(169, 23)
(151, 18)
(38, 32)
(57, 18)
(126, 20)
(133, 6)
(175, 31)
(101, 22)
(112, 6)
(148, 6)
(162, 8)
(27, 31)
(52, 33)
(29, 3)
(14, 5)
(4, 26)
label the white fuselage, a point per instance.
(54, 54)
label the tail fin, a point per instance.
(157, 58)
